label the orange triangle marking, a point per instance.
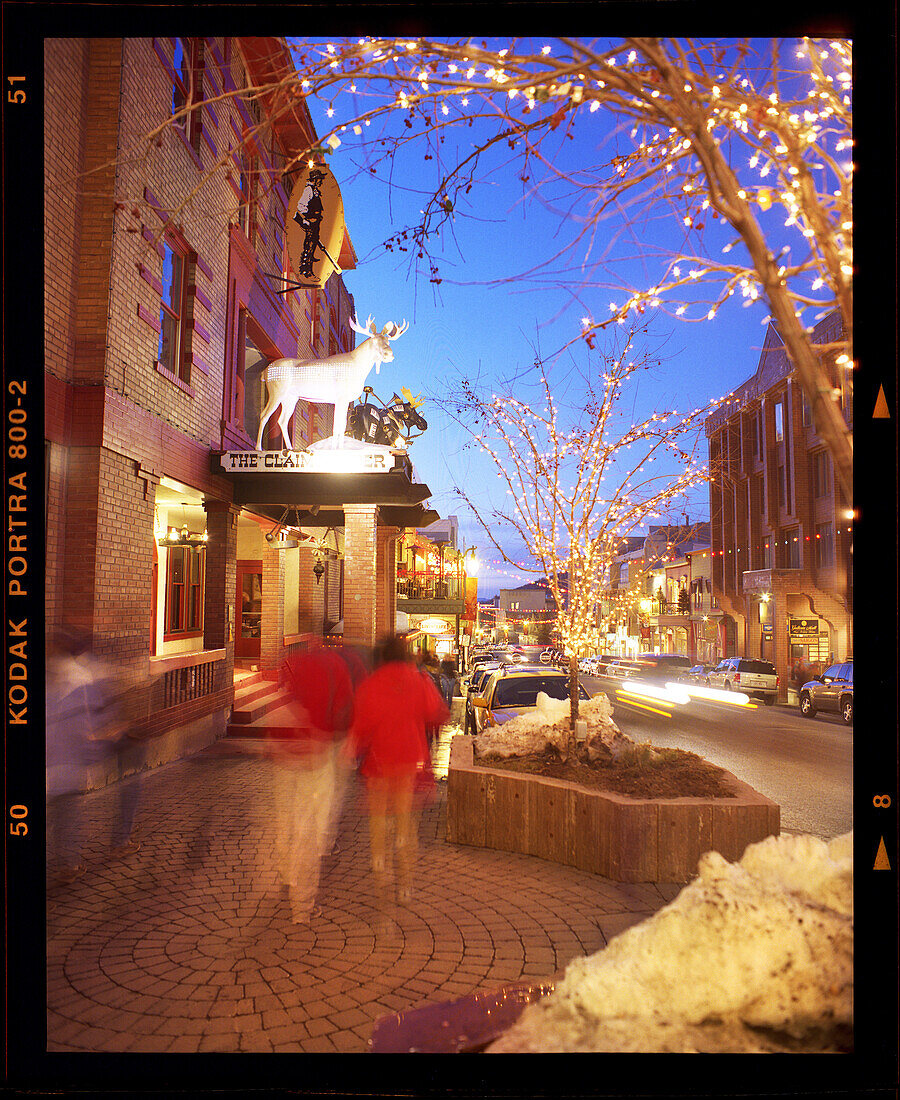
(882, 863)
(882, 412)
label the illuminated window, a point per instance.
(185, 570)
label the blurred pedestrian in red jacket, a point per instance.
(307, 769)
(394, 706)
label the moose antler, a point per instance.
(398, 330)
(369, 330)
(415, 402)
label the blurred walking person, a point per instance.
(85, 728)
(430, 669)
(394, 707)
(306, 770)
(448, 681)
(343, 759)
(69, 722)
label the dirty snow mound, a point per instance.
(547, 727)
(763, 943)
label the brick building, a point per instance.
(781, 531)
(164, 300)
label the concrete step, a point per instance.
(246, 694)
(255, 702)
(275, 721)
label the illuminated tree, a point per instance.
(755, 135)
(579, 478)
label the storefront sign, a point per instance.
(365, 460)
(315, 226)
(435, 627)
(804, 628)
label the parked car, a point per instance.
(832, 691)
(661, 666)
(752, 676)
(511, 691)
(478, 678)
(487, 659)
(696, 674)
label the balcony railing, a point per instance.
(425, 586)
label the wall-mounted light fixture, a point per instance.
(195, 540)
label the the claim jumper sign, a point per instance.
(349, 460)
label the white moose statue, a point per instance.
(337, 380)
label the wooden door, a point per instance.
(249, 604)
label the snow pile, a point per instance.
(547, 727)
(766, 943)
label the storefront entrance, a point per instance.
(249, 600)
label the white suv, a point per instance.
(753, 677)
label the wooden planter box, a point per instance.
(624, 839)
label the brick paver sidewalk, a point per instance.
(188, 944)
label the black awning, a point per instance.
(294, 489)
(414, 515)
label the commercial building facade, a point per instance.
(167, 290)
(781, 529)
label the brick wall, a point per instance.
(739, 546)
(63, 161)
(312, 594)
(116, 424)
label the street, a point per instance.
(805, 765)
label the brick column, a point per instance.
(780, 640)
(271, 644)
(386, 580)
(360, 574)
(312, 594)
(219, 612)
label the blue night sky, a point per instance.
(468, 327)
